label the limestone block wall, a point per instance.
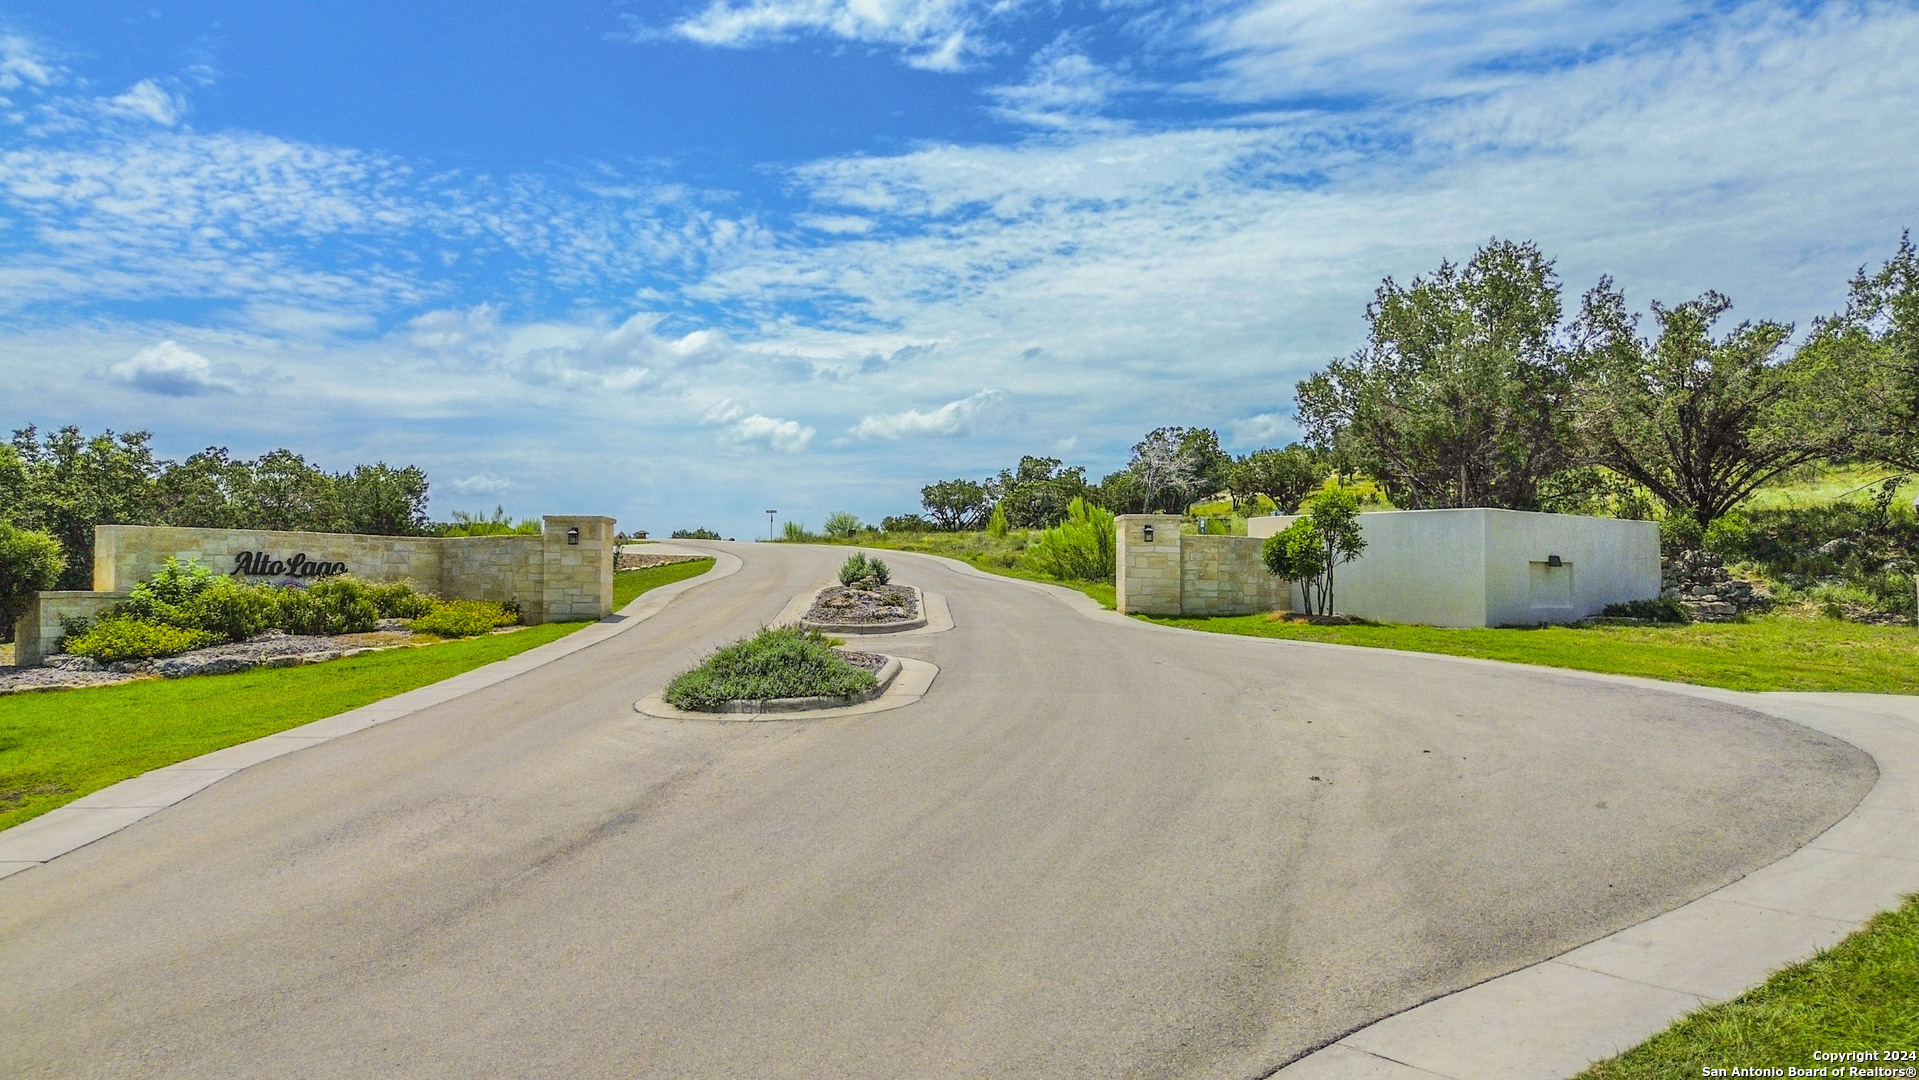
(1147, 574)
(1190, 574)
(1225, 575)
(499, 568)
(578, 561)
(566, 572)
(124, 555)
(40, 627)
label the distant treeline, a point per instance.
(1477, 386)
(65, 483)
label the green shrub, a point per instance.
(795, 531)
(695, 534)
(1079, 548)
(905, 523)
(780, 662)
(159, 598)
(841, 524)
(398, 600)
(229, 609)
(1662, 609)
(333, 606)
(858, 568)
(113, 640)
(463, 618)
(30, 562)
(1679, 532)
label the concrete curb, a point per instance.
(919, 601)
(907, 688)
(1554, 1018)
(888, 672)
(111, 809)
(939, 617)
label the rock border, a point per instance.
(905, 686)
(919, 601)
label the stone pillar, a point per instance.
(41, 625)
(1148, 574)
(578, 582)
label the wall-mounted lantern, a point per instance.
(1554, 560)
(573, 536)
(1149, 534)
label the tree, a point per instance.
(957, 504)
(1035, 495)
(1285, 476)
(1877, 339)
(1310, 549)
(1173, 466)
(382, 500)
(1701, 423)
(73, 483)
(1462, 395)
(29, 563)
(288, 493)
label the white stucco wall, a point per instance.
(1482, 567)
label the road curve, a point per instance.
(1093, 850)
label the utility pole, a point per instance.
(769, 523)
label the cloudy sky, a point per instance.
(683, 261)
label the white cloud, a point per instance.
(937, 35)
(1063, 87)
(950, 419)
(786, 436)
(145, 101)
(483, 484)
(1264, 429)
(1276, 49)
(22, 65)
(168, 368)
(838, 224)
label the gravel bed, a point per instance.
(871, 661)
(642, 562)
(275, 648)
(844, 604)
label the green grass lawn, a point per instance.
(1772, 653)
(995, 555)
(1862, 994)
(629, 584)
(59, 745)
(1828, 483)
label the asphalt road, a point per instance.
(1093, 850)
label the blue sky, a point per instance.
(679, 262)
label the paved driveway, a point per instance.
(1094, 850)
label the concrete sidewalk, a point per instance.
(111, 809)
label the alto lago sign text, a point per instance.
(261, 564)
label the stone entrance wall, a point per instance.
(1178, 573)
(565, 572)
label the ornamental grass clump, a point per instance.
(1081, 548)
(780, 662)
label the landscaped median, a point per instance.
(57, 746)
